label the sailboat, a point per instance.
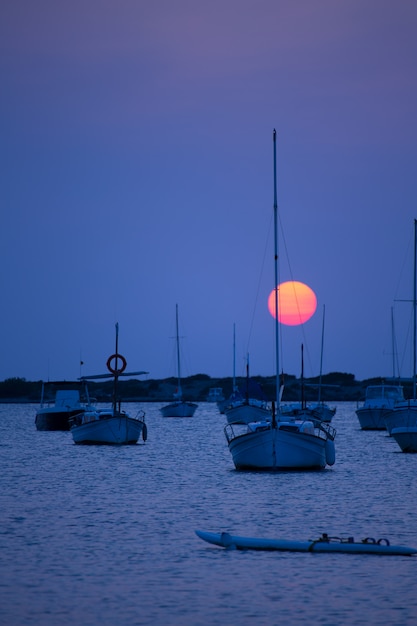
(379, 398)
(322, 410)
(109, 426)
(282, 443)
(402, 417)
(317, 410)
(248, 404)
(235, 395)
(300, 409)
(179, 407)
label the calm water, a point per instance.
(105, 536)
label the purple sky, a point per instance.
(137, 173)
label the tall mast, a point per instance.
(392, 343)
(116, 370)
(321, 353)
(276, 271)
(178, 353)
(414, 310)
(234, 358)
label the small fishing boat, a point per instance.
(215, 394)
(55, 414)
(109, 426)
(324, 544)
(179, 407)
(378, 400)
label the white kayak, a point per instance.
(323, 544)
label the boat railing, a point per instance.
(140, 415)
(321, 429)
(76, 420)
(235, 430)
(324, 430)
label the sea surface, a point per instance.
(101, 535)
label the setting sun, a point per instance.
(296, 303)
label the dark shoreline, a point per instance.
(335, 387)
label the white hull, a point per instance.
(320, 412)
(106, 429)
(379, 400)
(371, 418)
(406, 437)
(291, 445)
(323, 412)
(246, 413)
(179, 409)
(403, 414)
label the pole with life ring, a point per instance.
(115, 370)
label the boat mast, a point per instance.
(247, 378)
(234, 358)
(276, 272)
(414, 309)
(303, 402)
(116, 370)
(321, 353)
(178, 354)
(393, 346)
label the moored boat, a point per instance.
(403, 415)
(378, 400)
(281, 443)
(109, 426)
(179, 407)
(248, 404)
(406, 437)
(56, 414)
(215, 394)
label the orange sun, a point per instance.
(296, 303)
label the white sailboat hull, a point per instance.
(179, 409)
(323, 412)
(406, 437)
(117, 430)
(320, 412)
(247, 412)
(281, 448)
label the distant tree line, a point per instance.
(335, 386)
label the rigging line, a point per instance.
(396, 363)
(259, 284)
(405, 261)
(405, 354)
(295, 293)
(396, 358)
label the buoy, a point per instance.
(330, 452)
(144, 432)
